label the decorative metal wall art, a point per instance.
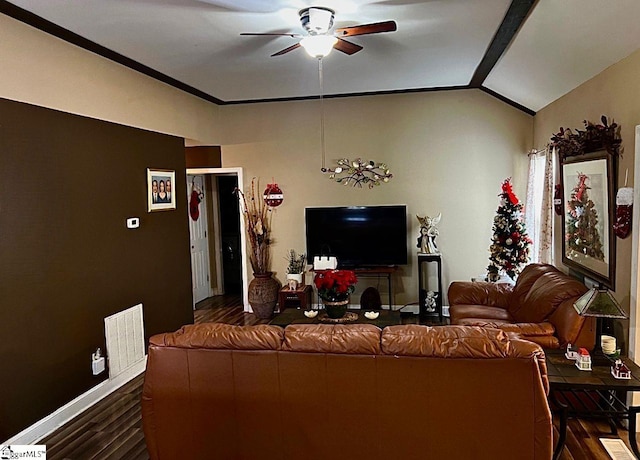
(357, 173)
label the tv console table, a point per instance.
(377, 272)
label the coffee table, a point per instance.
(296, 316)
(591, 394)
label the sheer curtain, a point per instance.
(539, 205)
(545, 244)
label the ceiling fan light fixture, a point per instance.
(318, 46)
(317, 20)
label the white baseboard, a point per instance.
(50, 423)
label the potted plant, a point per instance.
(295, 266)
(334, 287)
(263, 288)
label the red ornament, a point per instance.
(273, 196)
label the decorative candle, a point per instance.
(608, 344)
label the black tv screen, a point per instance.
(359, 236)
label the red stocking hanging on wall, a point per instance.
(624, 211)
(194, 202)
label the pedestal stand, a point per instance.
(427, 311)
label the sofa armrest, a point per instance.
(480, 293)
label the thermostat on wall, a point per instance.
(133, 222)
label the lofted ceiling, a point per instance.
(526, 52)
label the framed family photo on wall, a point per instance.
(588, 243)
(160, 185)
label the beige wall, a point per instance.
(448, 151)
(613, 93)
(42, 70)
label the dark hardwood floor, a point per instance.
(112, 429)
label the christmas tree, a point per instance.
(582, 222)
(510, 244)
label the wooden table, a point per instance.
(376, 272)
(298, 298)
(591, 394)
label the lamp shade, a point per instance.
(318, 46)
(599, 303)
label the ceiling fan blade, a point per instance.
(374, 28)
(286, 50)
(270, 34)
(347, 47)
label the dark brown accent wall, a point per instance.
(67, 185)
(203, 156)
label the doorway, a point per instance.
(230, 234)
(199, 238)
(227, 244)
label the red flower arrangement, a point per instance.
(335, 285)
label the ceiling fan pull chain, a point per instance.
(320, 80)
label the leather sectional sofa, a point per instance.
(539, 307)
(216, 391)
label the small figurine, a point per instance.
(571, 353)
(430, 302)
(584, 360)
(620, 371)
(428, 234)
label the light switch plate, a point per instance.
(133, 222)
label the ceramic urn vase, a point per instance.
(263, 294)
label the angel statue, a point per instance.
(428, 233)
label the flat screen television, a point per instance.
(359, 236)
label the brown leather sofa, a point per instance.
(539, 307)
(215, 391)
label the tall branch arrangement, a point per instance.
(257, 219)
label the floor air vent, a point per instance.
(124, 333)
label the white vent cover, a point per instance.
(124, 333)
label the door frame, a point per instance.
(243, 234)
(634, 294)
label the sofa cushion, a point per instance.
(525, 329)
(329, 338)
(459, 312)
(484, 322)
(223, 337)
(525, 281)
(548, 291)
(445, 341)
(479, 293)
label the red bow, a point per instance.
(507, 188)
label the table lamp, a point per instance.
(599, 303)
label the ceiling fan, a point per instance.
(317, 21)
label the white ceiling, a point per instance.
(438, 44)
